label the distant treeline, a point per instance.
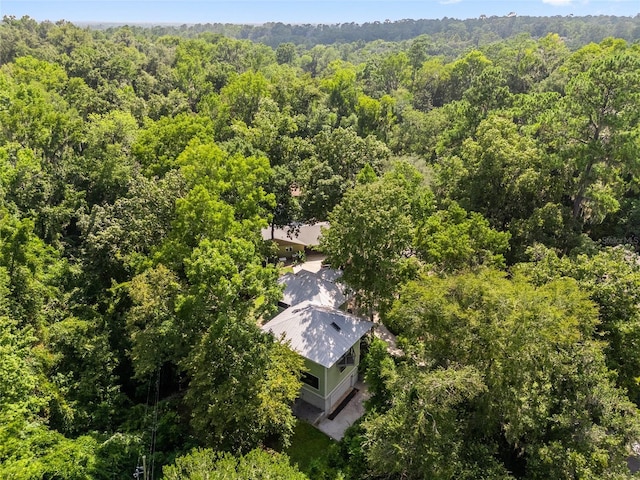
(576, 31)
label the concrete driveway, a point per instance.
(350, 413)
(312, 264)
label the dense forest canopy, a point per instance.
(577, 31)
(481, 181)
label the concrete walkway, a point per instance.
(312, 264)
(307, 412)
(383, 333)
(350, 413)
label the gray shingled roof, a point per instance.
(320, 334)
(308, 286)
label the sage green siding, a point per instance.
(328, 380)
(334, 376)
(317, 371)
(310, 394)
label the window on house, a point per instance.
(311, 380)
(347, 359)
(288, 249)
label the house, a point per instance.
(329, 341)
(301, 238)
(318, 288)
(329, 274)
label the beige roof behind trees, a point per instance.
(304, 234)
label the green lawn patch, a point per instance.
(308, 445)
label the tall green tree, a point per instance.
(341, 88)
(242, 387)
(242, 96)
(159, 143)
(371, 234)
(542, 404)
(452, 239)
(340, 155)
(258, 464)
(107, 162)
(196, 311)
(598, 117)
(610, 277)
(285, 53)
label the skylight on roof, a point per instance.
(336, 326)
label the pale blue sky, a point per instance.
(300, 11)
